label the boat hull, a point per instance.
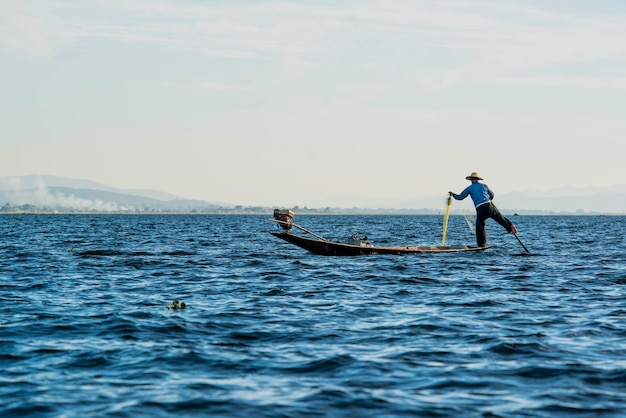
(330, 248)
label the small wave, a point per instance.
(617, 376)
(515, 349)
(275, 292)
(88, 360)
(179, 253)
(98, 253)
(332, 364)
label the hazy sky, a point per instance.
(314, 103)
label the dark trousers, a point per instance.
(484, 212)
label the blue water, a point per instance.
(273, 331)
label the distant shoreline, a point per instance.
(50, 194)
(268, 212)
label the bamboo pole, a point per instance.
(299, 227)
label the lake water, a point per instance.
(273, 331)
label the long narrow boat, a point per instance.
(317, 246)
(322, 246)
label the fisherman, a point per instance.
(482, 195)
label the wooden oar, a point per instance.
(299, 227)
(518, 240)
(445, 221)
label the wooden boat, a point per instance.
(317, 246)
(322, 246)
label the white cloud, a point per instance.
(233, 88)
(364, 92)
(27, 26)
(562, 82)
(490, 40)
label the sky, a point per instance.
(315, 103)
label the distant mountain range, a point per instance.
(52, 193)
(38, 193)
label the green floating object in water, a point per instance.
(177, 305)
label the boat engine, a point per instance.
(357, 239)
(284, 218)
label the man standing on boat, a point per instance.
(482, 195)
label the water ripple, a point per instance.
(272, 331)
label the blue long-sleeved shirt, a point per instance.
(480, 193)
